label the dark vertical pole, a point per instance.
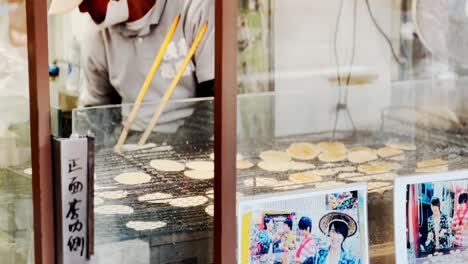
(225, 131)
(39, 105)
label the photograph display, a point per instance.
(306, 227)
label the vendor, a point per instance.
(122, 48)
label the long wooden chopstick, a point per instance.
(147, 83)
(173, 85)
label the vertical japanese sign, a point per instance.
(72, 194)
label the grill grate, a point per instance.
(109, 165)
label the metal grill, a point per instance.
(109, 165)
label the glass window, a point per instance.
(16, 212)
(342, 92)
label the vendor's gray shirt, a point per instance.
(118, 60)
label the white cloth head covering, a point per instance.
(60, 7)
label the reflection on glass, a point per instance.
(16, 214)
(154, 202)
(358, 96)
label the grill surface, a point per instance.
(109, 165)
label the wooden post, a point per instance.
(39, 107)
(225, 131)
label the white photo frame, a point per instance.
(400, 193)
(257, 203)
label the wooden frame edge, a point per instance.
(225, 241)
(39, 107)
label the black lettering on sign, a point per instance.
(76, 243)
(73, 165)
(75, 186)
(73, 209)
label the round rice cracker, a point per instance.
(199, 174)
(431, 163)
(244, 164)
(274, 156)
(434, 169)
(210, 210)
(378, 177)
(379, 167)
(201, 165)
(328, 184)
(274, 166)
(303, 151)
(379, 187)
(332, 146)
(156, 197)
(304, 177)
(113, 195)
(167, 165)
(332, 156)
(185, 202)
(113, 210)
(348, 175)
(401, 146)
(362, 148)
(143, 226)
(287, 186)
(133, 178)
(294, 165)
(387, 152)
(261, 182)
(361, 156)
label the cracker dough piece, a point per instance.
(141, 226)
(112, 195)
(98, 201)
(201, 165)
(156, 197)
(238, 156)
(199, 174)
(210, 210)
(334, 170)
(431, 163)
(379, 177)
(261, 182)
(244, 164)
(185, 202)
(274, 156)
(133, 178)
(361, 148)
(346, 175)
(328, 184)
(332, 156)
(379, 167)
(305, 177)
(401, 146)
(287, 185)
(167, 165)
(361, 156)
(332, 146)
(433, 169)
(398, 158)
(113, 210)
(274, 166)
(303, 151)
(386, 152)
(28, 171)
(294, 165)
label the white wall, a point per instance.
(304, 59)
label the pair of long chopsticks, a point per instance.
(147, 83)
(173, 85)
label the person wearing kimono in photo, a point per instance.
(439, 225)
